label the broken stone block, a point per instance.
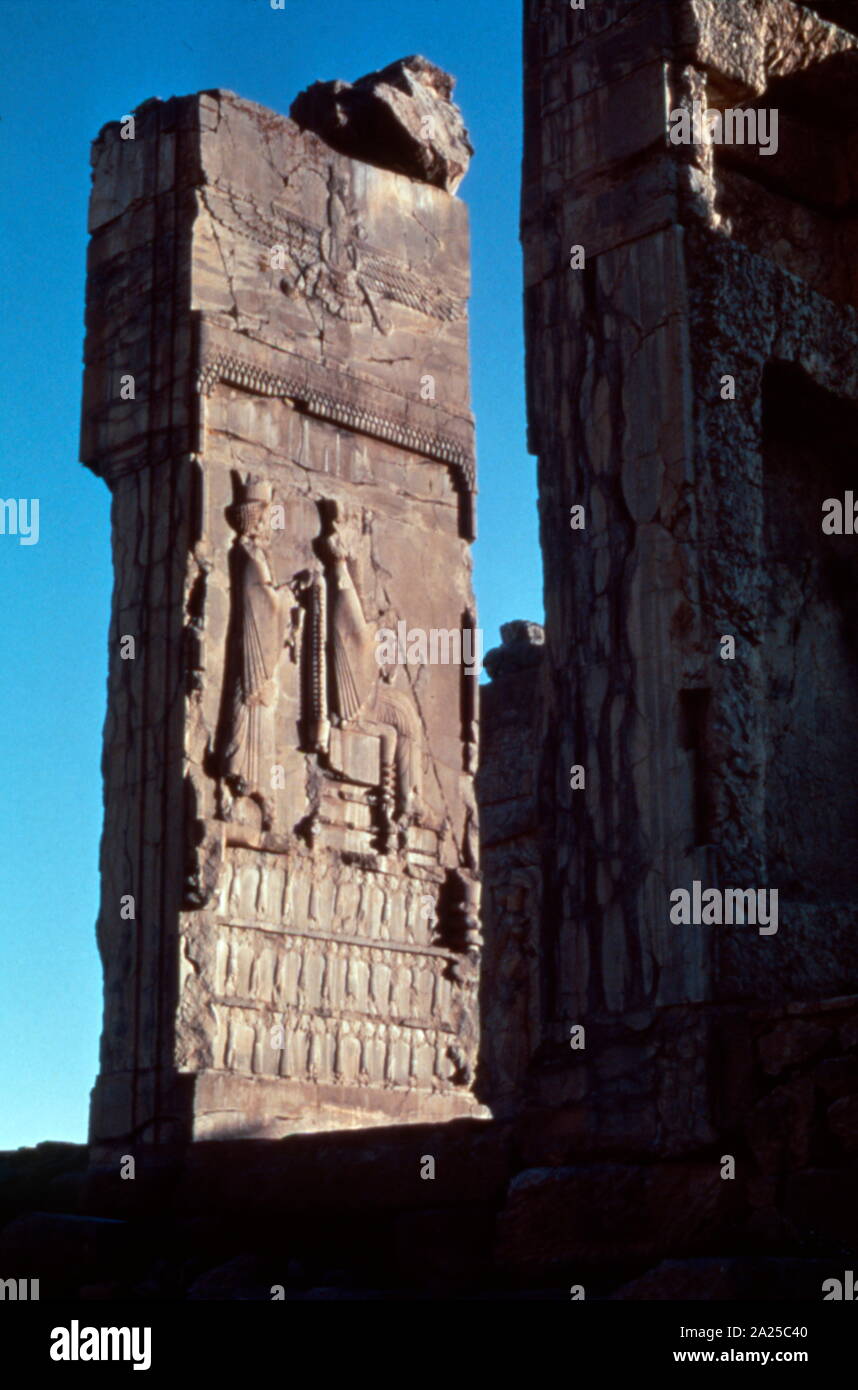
(780, 1126)
(837, 1076)
(401, 117)
(591, 1216)
(731, 1277)
(522, 648)
(791, 1043)
(64, 1251)
(243, 1279)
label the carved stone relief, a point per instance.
(264, 621)
(306, 812)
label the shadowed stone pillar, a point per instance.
(692, 348)
(276, 391)
(511, 716)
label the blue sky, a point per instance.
(70, 67)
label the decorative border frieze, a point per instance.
(234, 370)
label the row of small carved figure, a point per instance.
(393, 912)
(306, 1047)
(336, 975)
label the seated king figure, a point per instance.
(366, 701)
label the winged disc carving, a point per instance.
(334, 264)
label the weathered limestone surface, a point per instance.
(508, 795)
(299, 450)
(395, 115)
(293, 471)
(702, 520)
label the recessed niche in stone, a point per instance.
(810, 646)
(799, 205)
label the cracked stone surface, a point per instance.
(402, 117)
(333, 385)
(702, 519)
(293, 472)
